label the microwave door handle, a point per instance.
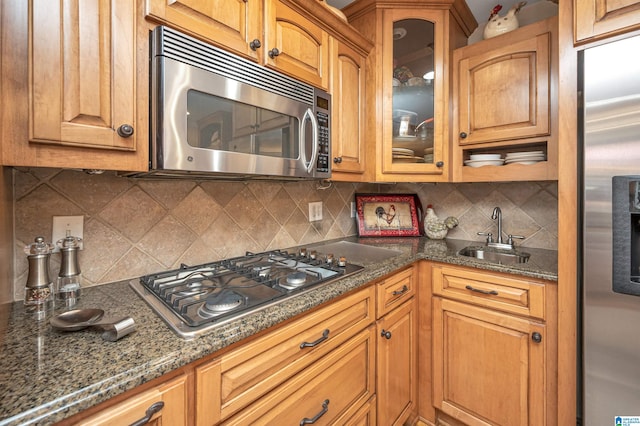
(316, 146)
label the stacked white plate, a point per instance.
(529, 157)
(479, 160)
(480, 163)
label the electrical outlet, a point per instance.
(315, 211)
(75, 225)
(353, 209)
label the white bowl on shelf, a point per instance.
(484, 157)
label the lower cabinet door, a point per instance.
(333, 388)
(490, 366)
(397, 365)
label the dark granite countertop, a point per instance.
(46, 375)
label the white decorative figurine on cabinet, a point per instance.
(498, 25)
(435, 228)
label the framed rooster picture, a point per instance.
(388, 215)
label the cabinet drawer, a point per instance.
(259, 366)
(173, 394)
(333, 388)
(393, 291)
(519, 296)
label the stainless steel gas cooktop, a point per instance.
(194, 299)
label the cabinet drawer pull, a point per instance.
(478, 290)
(386, 334)
(153, 409)
(536, 337)
(310, 421)
(399, 292)
(463, 135)
(325, 336)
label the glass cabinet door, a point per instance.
(413, 92)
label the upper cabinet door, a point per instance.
(296, 45)
(413, 125)
(234, 24)
(83, 65)
(347, 88)
(596, 19)
(504, 93)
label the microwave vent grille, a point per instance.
(186, 49)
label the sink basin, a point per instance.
(503, 257)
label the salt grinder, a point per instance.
(38, 292)
(69, 281)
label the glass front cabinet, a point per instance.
(408, 85)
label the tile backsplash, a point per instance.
(135, 227)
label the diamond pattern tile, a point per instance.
(136, 227)
(133, 214)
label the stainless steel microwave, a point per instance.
(215, 113)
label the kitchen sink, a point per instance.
(503, 257)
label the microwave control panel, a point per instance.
(323, 142)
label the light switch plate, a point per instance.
(315, 211)
(75, 225)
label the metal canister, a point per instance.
(38, 292)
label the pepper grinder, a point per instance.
(69, 282)
(38, 292)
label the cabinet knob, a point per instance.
(274, 52)
(536, 337)
(463, 135)
(337, 160)
(440, 164)
(255, 44)
(153, 409)
(386, 334)
(125, 131)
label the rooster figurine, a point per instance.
(435, 228)
(502, 24)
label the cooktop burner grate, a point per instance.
(193, 299)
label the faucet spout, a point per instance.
(497, 214)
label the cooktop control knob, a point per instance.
(330, 258)
(303, 252)
(342, 261)
(313, 255)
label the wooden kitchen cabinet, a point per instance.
(75, 83)
(397, 366)
(232, 24)
(494, 346)
(295, 44)
(165, 403)
(411, 39)
(597, 19)
(272, 367)
(349, 113)
(505, 101)
(330, 390)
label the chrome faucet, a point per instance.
(499, 242)
(497, 214)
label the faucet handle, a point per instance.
(511, 237)
(489, 236)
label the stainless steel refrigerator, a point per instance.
(610, 139)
